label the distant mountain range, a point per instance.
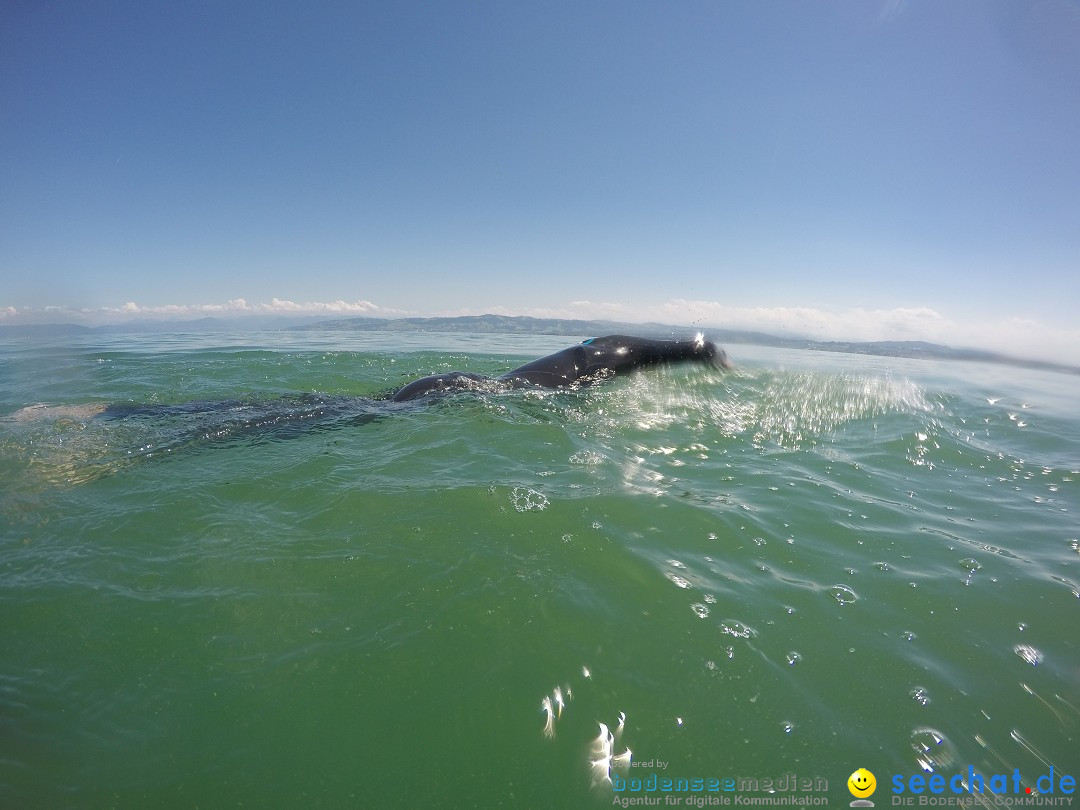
(520, 324)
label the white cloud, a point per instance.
(333, 307)
(233, 307)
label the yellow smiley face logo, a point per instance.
(861, 783)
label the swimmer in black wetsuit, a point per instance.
(589, 361)
(197, 423)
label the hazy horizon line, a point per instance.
(1011, 336)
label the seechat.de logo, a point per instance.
(971, 782)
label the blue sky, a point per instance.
(854, 169)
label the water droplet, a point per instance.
(919, 695)
(1029, 654)
(528, 500)
(843, 594)
(680, 581)
(586, 457)
(932, 751)
(733, 627)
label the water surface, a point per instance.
(813, 563)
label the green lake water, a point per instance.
(810, 564)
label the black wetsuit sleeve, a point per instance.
(602, 357)
(594, 359)
(562, 368)
(439, 384)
